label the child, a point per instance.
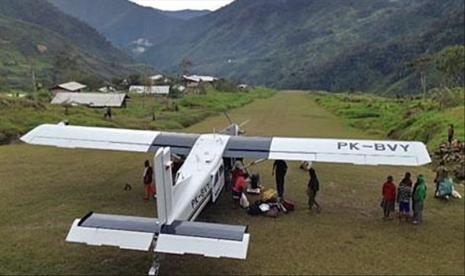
(403, 196)
(389, 197)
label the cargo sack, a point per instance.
(290, 206)
(244, 202)
(273, 212)
(269, 195)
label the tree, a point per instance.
(186, 65)
(421, 65)
(450, 62)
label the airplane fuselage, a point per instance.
(199, 180)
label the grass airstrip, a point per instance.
(43, 189)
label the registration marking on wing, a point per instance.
(377, 146)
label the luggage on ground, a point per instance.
(244, 202)
(273, 212)
(254, 185)
(254, 209)
(290, 206)
(255, 181)
(269, 195)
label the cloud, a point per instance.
(173, 5)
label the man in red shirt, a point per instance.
(389, 197)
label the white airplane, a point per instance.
(200, 180)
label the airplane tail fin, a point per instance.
(164, 183)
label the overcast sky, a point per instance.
(174, 5)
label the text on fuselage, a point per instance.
(201, 195)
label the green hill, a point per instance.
(36, 35)
(126, 24)
(303, 44)
(329, 45)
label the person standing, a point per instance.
(441, 174)
(450, 134)
(149, 190)
(419, 196)
(108, 113)
(389, 197)
(312, 190)
(280, 170)
(238, 189)
(404, 195)
(238, 171)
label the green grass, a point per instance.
(43, 189)
(17, 116)
(403, 119)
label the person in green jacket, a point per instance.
(419, 199)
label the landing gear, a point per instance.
(157, 258)
(155, 268)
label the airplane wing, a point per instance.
(64, 136)
(360, 152)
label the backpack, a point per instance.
(254, 181)
(254, 209)
(288, 205)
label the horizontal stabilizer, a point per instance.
(126, 232)
(207, 239)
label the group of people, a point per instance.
(239, 175)
(405, 195)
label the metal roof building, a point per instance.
(69, 87)
(195, 78)
(91, 99)
(156, 90)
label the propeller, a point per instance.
(234, 129)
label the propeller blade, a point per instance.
(227, 116)
(244, 123)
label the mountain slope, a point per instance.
(331, 45)
(33, 33)
(126, 24)
(186, 14)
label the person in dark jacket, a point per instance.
(404, 194)
(148, 181)
(312, 189)
(280, 170)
